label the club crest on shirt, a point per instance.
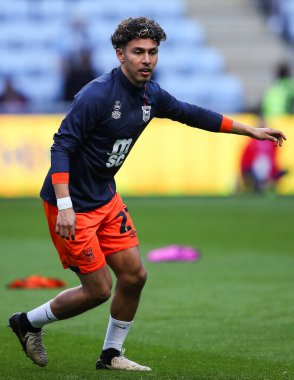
(89, 255)
(146, 113)
(116, 114)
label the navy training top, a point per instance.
(100, 128)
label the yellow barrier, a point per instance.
(25, 153)
(169, 158)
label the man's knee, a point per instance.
(129, 270)
(135, 281)
(96, 296)
(96, 287)
(142, 277)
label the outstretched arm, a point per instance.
(270, 134)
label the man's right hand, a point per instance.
(66, 223)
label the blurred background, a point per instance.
(232, 56)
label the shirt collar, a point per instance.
(127, 82)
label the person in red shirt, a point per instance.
(260, 170)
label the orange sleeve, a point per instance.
(226, 125)
(59, 178)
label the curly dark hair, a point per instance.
(139, 27)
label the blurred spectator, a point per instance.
(268, 7)
(79, 73)
(279, 98)
(11, 99)
(259, 167)
(75, 40)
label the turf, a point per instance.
(227, 316)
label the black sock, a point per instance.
(107, 355)
(26, 325)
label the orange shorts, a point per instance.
(99, 233)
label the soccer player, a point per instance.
(89, 224)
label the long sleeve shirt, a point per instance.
(101, 127)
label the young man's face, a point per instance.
(138, 60)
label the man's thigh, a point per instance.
(82, 255)
(126, 263)
(117, 231)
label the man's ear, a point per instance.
(120, 55)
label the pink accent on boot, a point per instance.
(173, 253)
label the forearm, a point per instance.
(277, 137)
(60, 184)
(242, 129)
(61, 190)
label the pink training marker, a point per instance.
(173, 253)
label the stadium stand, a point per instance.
(252, 51)
(33, 34)
(280, 16)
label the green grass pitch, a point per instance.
(227, 316)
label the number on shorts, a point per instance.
(123, 227)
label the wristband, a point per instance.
(64, 203)
(59, 178)
(227, 125)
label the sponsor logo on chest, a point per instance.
(119, 152)
(116, 114)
